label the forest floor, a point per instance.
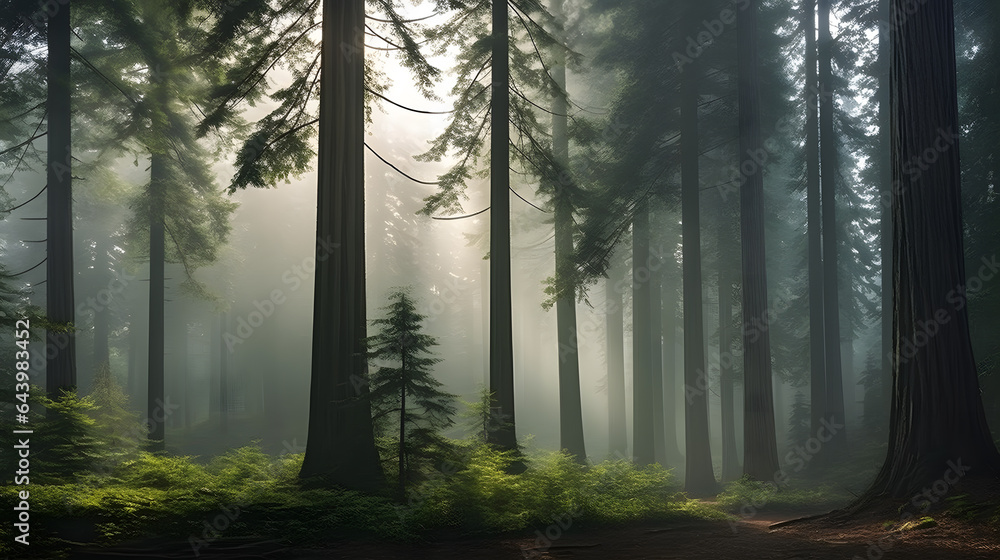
(868, 536)
(742, 540)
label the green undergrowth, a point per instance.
(748, 497)
(247, 492)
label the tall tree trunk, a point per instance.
(834, 412)
(700, 476)
(656, 358)
(885, 197)
(502, 431)
(224, 356)
(182, 365)
(60, 365)
(134, 340)
(817, 352)
(157, 412)
(617, 428)
(216, 347)
(642, 378)
(937, 428)
(102, 312)
(760, 451)
(668, 324)
(730, 460)
(341, 445)
(570, 407)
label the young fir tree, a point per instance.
(332, 99)
(116, 425)
(66, 440)
(406, 390)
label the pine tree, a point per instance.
(67, 443)
(407, 390)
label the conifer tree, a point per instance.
(406, 389)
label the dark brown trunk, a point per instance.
(730, 460)
(885, 197)
(502, 431)
(656, 358)
(760, 454)
(836, 449)
(642, 378)
(341, 445)
(937, 428)
(570, 408)
(157, 412)
(60, 363)
(668, 324)
(102, 313)
(700, 476)
(224, 358)
(617, 430)
(817, 353)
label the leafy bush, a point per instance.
(483, 496)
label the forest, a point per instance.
(499, 279)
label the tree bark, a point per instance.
(570, 408)
(760, 454)
(341, 445)
(656, 359)
(642, 377)
(60, 365)
(700, 477)
(817, 351)
(224, 357)
(668, 323)
(502, 433)
(156, 416)
(885, 197)
(617, 423)
(102, 313)
(937, 427)
(836, 448)
(730, 460)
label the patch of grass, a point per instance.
(747, 496)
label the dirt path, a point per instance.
(748, 539)
(744, 540)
